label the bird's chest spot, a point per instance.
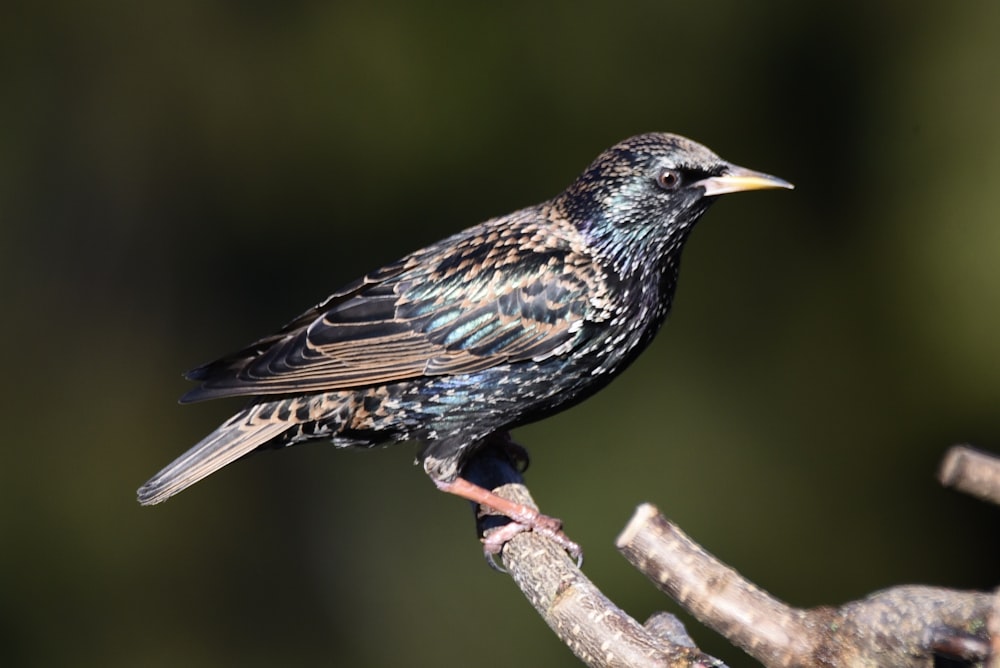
(628, 331)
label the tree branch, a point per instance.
(711, 591)
(903, 627)
(993, 628)
(900, 627)
(597, 631)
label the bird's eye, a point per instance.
(669, 179)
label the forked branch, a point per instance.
(906, 626)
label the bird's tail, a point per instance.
(239, 435)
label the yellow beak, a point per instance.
(737, 179)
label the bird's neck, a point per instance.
(640, 260)
(648, 274)
(654, 287)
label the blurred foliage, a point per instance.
(179, 178)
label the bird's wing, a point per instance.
(464, 305)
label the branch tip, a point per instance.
(643, 513)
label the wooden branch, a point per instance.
(993, 628)
(597, 631)
(714, 593)
(903, 627)
(900, 627)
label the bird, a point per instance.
(500, 325)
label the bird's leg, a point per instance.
(495, 461)
(522, 517)
(515, 453)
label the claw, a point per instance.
(551, 528)
(544, 525)
(522, 518)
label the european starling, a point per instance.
(508, 322)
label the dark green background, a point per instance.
(178, 178)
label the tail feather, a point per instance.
(236, 437)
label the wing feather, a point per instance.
(433, 313)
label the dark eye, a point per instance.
(669, 179)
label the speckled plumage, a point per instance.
(497, 326)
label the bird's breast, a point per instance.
(631, 314)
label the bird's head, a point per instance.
(638, 200)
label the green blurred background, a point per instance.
(179, 178)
